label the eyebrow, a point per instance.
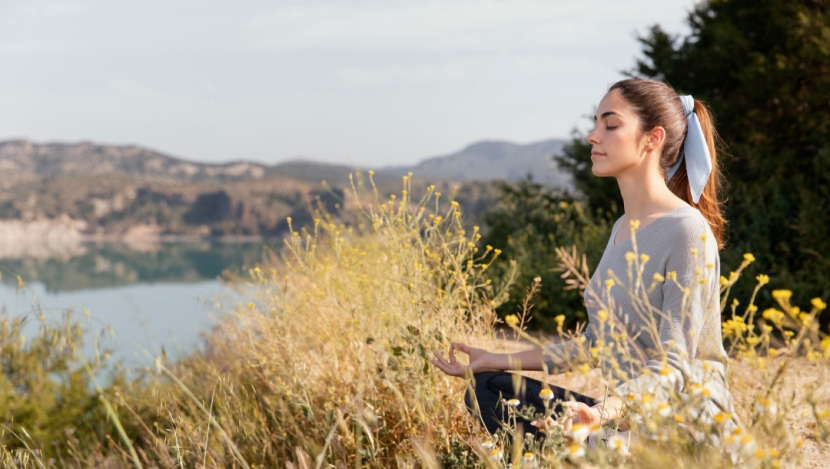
(606, 114)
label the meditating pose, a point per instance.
(660, 147)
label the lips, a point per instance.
(596, 153)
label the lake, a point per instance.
(162, 295)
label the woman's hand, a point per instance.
(589, 417)
(479, 360)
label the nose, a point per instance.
(592, 137)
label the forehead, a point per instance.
(614, 102)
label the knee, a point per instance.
(478, 389)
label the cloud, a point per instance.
(448, 24)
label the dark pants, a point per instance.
(492, 386)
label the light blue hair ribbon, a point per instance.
(695, 152)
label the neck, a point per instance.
(644, 192)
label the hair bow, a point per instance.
(695, 152)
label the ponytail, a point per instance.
(709, 205)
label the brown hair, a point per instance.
(658, 104)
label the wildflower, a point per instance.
(371, 173)
(659, 277)
(528, 458)
(667, 377)
(701, 390)
(488, 444)
(579, 432)
(694, 251)
(537, 279)
(818, 304)
(576, 451)
(602, 315)
(749, 257)
(664, 409)
(546, 394)
(617, 443)
(609, 283)
(496, 454)
(721, 417)
(710, 265)
(512, 320)
(513, 402)
(560, 319)
(762, 279)
(679, 418)
(644, 258)
(782, 295)
(748, 445)
(630, 256)
(723, 280)
(647, 400)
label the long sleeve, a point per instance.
(561, 357)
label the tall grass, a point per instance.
(326, 365)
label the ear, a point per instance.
(655, 138)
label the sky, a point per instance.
(361, 82)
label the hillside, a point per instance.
(491, 160)
(54, 196)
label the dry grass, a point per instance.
(326, 366)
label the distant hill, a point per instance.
(53, 196)
(487, 160)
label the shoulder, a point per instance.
(687, 226)
(689, 232)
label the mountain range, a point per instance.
(64, 192)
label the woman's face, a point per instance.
(616, 138)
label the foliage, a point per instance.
(46, 395)
(764, 68)
(527, 224)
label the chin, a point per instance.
(598, 172)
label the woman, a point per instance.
(660, 148)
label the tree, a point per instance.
(764, 69)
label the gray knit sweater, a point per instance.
(691, 344)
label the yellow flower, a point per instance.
(723, 280)
(371, 173)
(679, 418)
(721, 417)
(762, 279)
(560, 319)
(512, 320)
(513, 402)
(818, 304)
(576, 451)
(602, 315)
(635, 224)
(609, 283)
(546, 394)
(773, 315)
(659, 277)
(644, 258)
(782, 295)
(694, 251)
(749, 257)
(630, 256)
